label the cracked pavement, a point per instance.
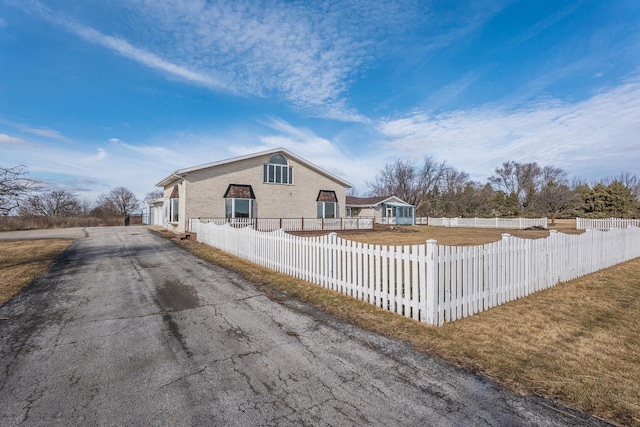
(128, 328)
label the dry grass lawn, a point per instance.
(22, 261)
(577, 344)
(403, 235)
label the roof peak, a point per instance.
(177, 174)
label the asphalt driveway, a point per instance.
(129, 329)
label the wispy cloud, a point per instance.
(589, 139)
(12, 140)
(124, 48)
(47, 133)
(306, 54)
(540, 26)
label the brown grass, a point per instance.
(11, 223)
(577, 344)
(407, 235)
(22, 261)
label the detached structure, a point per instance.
(385, 210)
(266, 188)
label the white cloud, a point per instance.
(7, 139)
(47, 133)
(590, 139)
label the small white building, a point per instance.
(385, 210)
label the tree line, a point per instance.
(25, 196)
(515, 189)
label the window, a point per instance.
(278, 171)
(327, 204)
(327, 210)
(238, 208)
(239, 201)
(174, 204)
(404, 212)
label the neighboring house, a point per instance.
(269, 184)
(385, 210)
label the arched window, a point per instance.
(278, 159)
(278, 171)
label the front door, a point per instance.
(390, 219)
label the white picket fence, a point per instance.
(510, 223)
(431, 283)
(606, 223)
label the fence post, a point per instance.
(333, 257)
(431, 292)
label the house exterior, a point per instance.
(269, 184)
(385, 210)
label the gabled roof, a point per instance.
(181, 173)
(374, 201)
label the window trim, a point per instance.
(174, 210)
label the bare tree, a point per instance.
(119, 201)
(396, 179)
(152, 195)
(52, 203)
(451, 195)
(404, 180)
(14, 186)
(554, 195)
(521, 180)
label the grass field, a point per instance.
(23, 261)
(577, 343)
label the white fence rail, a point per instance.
(606, 223)
(294, 224)
(431, 283)
(510, 223)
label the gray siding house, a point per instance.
(270, 184)
(385, 210)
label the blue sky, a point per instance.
(96, 94)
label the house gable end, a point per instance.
(266, 154)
